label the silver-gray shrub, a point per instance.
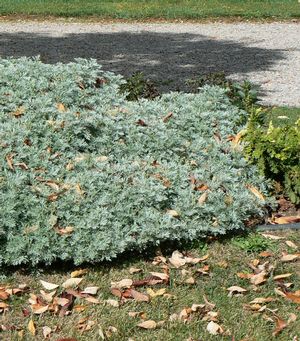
(109, 170)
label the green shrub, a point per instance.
(137, 86)
(86, 175)
(244, 94)
(276, 151)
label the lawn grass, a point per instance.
(166, 9)
(282, 116)
(226, 258)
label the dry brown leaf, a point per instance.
(160, 275)
(134, 270)
(167, 117)
(4, 295)
(49, 286)
(140, 314)
(90, 290)
(214, 329)
(61, 301)
(265, 254)
(289, 257)
(92, 300)
(110, 331)
(72, 282)
(124, 283)
(256, 192)
(60, 107)
(39, 309)
(202, 199)
(9, 160)
(173, 213)
(292, 318)
(190, 280)
(287, 220)
(244, 276)
(159, 292)
(292, 297)
(65, 230)
(291, 244)
(261, 300)
(138, 296)
(209, 304)
(113, 303)
(278, 277)
(79, 308)
(48, 297)
(19, 112)
(46, 331)
(280, 325)
(279, 292)
(79, 272)
(271, 236)
(149, 324)
(31, 327)
(235, 290)
(177, 259)
(259, 278)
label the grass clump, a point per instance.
(86, 174)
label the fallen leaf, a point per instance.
(113, 303)
(289, 258)
(60, 107)
(140, 314)
(134, 270)
(159, 292)
(173, 213)
(259, 278)
(265, 254)
(235, 290)
(140, 297)
(72, 282)
(46, 331)
(39, 309)
(271, 236)
(280, 325)
(279, 292)
(90, 290)
(278, 277)
(202, 199)
(31, 327)
(214, 329)
(110, 331)
(287, 220)
(291, 244)
(9, 160)
(92, 300)
(177, 259)
(256, 192)
(292, 318)
(244, 276)
(190, 280)
(149, 324)
(79, 272)
(48, 297)
(292, 297)
(160, 275)
(261, 300)
(19, 112)
(167, 117)
(124, 283)
(49, 286)
(65, 230)
(209, 304)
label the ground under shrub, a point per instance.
(87, 175)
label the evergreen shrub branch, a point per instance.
(86, 174)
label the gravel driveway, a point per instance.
(267, 54)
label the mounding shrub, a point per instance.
(87, 175)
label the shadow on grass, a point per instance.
(126, 259)
(160, 56)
